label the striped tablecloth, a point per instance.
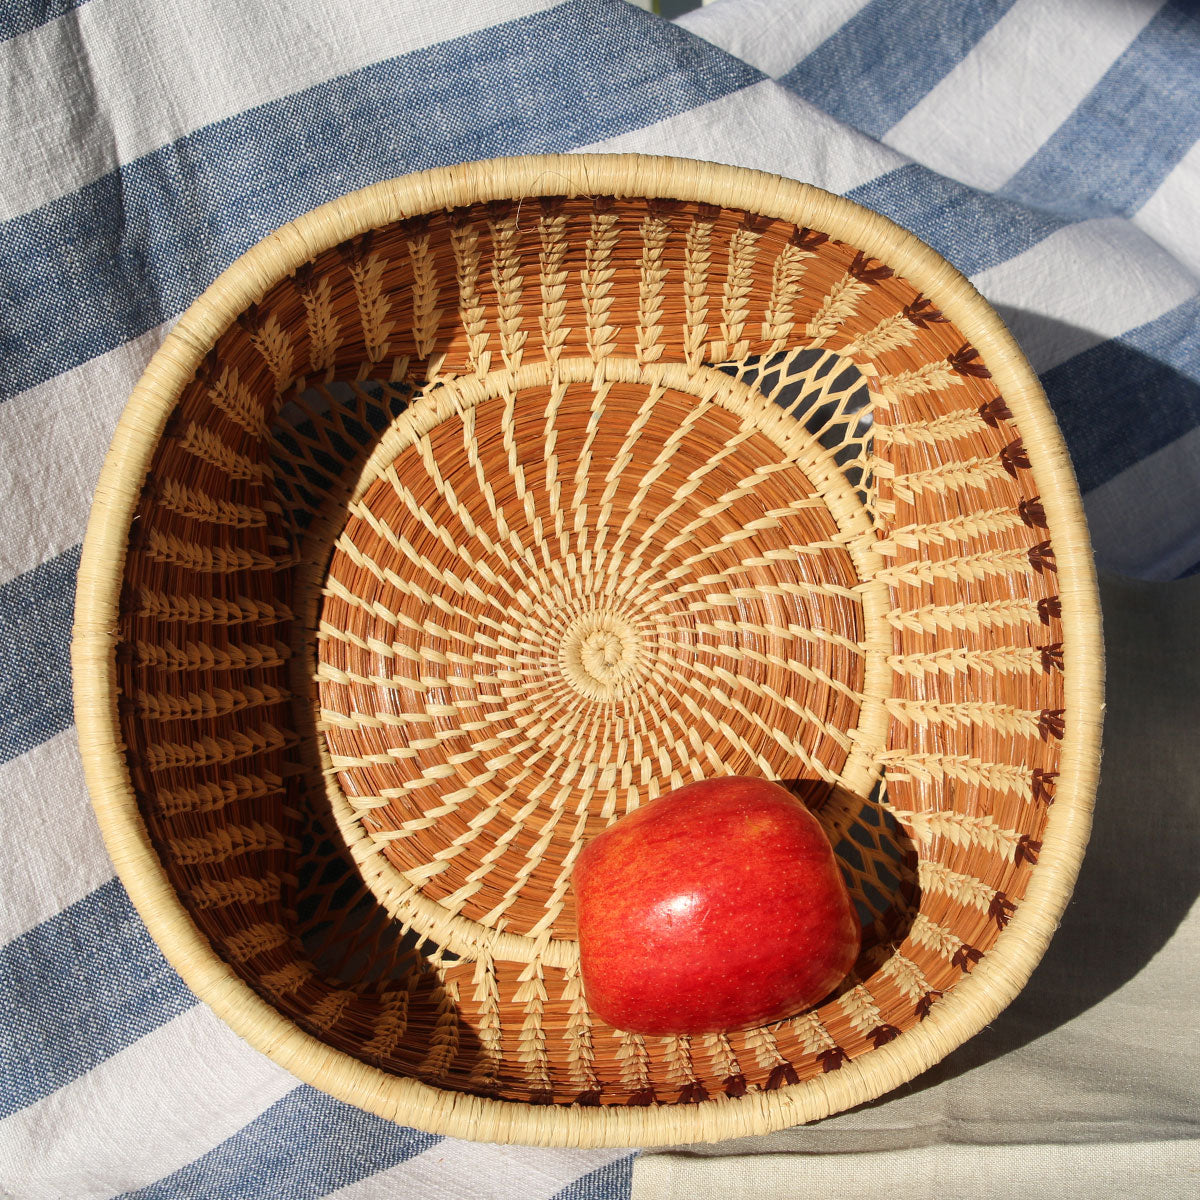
(1045, 147)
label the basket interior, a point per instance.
(485, 526)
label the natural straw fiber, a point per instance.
(470, 511)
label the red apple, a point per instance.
(719, 906)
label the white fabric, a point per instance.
(744, 130)
(771, 35)
(33, 787)
(155, 1107)
(164, 70)
(1081, 286)
(1035, 49)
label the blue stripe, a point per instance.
(304, 1146)
(20, 16)
(76, 989)
(972, 229)
(614, 1181)
(888, 56)
(1115, 149)
(1121, 401)
(83, 274)
(35, 667)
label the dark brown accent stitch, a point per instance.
(864, 273)
(925, 1003)
(807, 239)
(663, 207)
(303, 276)
(832, 1059)
(1041, 557)
(1051, 724)
(965, 957)
(249, 319)
(756, 222)
(995, 411)
(921, 312)
(1027, 850)
(1052, 656)
(355, 250)
(1049, 607)
(1001, 909)
(882, 1034)
(1032, 512)
(783, 1074)
(1014, 457)
(1043, 785)
(413, 227)
(963, 362)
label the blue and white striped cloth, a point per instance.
(1048, 148)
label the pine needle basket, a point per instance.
(472, 509)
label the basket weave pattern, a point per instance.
(488, 524)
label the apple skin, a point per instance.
(717, 907)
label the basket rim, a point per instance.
(976, 1000)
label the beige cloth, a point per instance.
(1088, 1085)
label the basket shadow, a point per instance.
(373, 966)
(878, 861)
(1116, 405)
(1141, 874)
(376, 964)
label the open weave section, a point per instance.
(484, 527)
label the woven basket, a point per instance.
(469, 511)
